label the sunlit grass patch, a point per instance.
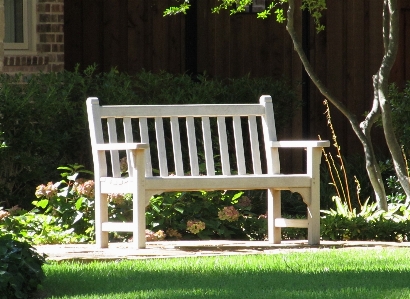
(358, 273)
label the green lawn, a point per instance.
(354, 273)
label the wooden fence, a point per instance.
(131, 35)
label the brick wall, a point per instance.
(48, 55)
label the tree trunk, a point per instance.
(361, 130)
(390, 38)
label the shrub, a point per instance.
(368, 224)
(206, 215)
(20, 268)
(44, 120)
(63, 213)
(400, 113)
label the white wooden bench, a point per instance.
(120, 130)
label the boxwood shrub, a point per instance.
(20, 269)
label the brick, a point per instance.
(44, 28)
(48, 18)
(47, 38)
(57, 48)
(43, 48)
(59, 38)
(56, 28)
(52, 58)
(44, 18)
(43, 8)
(60, 57)
(57, 8)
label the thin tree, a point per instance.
(284, 11)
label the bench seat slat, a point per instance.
(218, 182)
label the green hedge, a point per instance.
(44, 124)
(20, 269)
(399, 101)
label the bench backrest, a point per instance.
(194, 140)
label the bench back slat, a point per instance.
(193, 151)
(162, 154)
(269, 133)
(240, 155)
(223, 146)
(143, 126)
(190, 139)
(112, 137)
(128, 136)
(209, 153)
(176, 145)
(253, 134)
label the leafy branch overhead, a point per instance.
(315, 8)
(389, 13)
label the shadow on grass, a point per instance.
(132, 281)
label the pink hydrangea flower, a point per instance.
(47, 191)
(195, 226)
(228, 213)
(85, 189)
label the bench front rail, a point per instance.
(192, 148)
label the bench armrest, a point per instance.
(120, 146)
(300, 143)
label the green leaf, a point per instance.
(79, 203)
(237, 195)
(179, 209)
(41, 203)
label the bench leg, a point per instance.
(274, 211)
(313, 169)
(139, 200)
(101, 215)
(139, 222)
(314, 217)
